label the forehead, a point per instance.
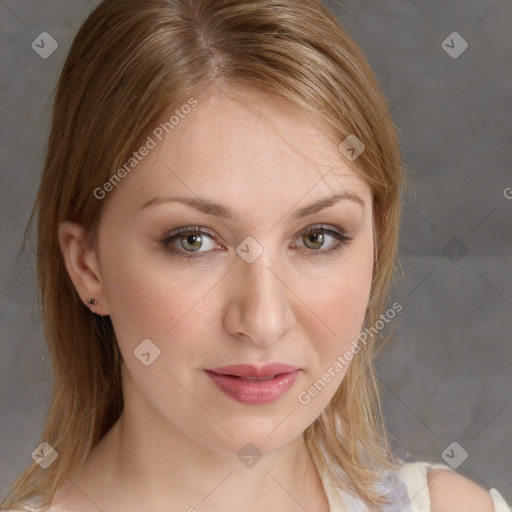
(253, 123)
(238, 143)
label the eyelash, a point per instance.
(339, 235)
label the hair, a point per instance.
(129, 63)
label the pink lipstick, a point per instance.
(252, 385)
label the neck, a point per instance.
(144, 463)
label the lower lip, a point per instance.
(254, 392)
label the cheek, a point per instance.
(340, 306)
(339, 299)
(157, 299)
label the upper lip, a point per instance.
(247, 370)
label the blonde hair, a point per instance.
(129, 63)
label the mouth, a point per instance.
(256, 379)
(248, 371)
(254, 385)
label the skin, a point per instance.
(175, 444)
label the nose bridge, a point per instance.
(259, 311)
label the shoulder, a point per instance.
(450, 491)
(435, 487)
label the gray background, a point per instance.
(446, 376)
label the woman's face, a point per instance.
(272, 282)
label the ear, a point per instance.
(82, 266)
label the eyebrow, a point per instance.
(219, 210)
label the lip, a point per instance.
(234, 381)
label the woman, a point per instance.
(217, 229)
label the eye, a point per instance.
(315, 237)
(189, 239)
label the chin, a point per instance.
(266, 434)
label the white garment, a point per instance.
(410, 493)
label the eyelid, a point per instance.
(175, 233)
(326, 228)
(186, 229)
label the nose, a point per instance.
(258, 310)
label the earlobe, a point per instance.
(82, 267)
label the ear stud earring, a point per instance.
(94, 302)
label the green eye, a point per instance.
(191, 239)
(315, 237)
(191, 242)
